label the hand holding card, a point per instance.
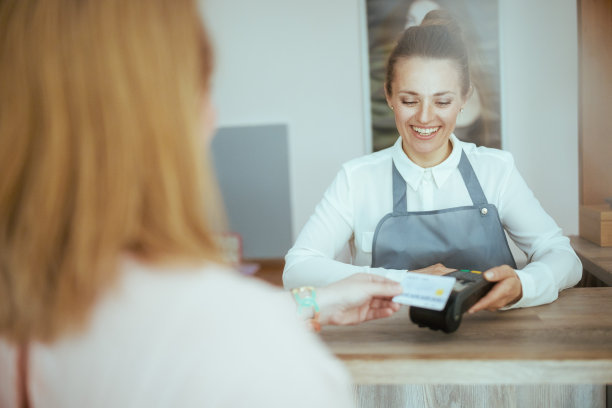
(426, 291)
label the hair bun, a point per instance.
(438, 36)
(442, 18)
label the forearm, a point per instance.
(353, 300)
(546, 276)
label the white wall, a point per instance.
(539, 61)
(293, 62)
(299, 62)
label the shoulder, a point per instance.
(488, 159)
(236, 315)
(249, 337)
(369, 163)
(196, 285)
(214, 330)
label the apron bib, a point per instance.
(469, 237)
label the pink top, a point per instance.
(182, 337)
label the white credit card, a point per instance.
(426, 291)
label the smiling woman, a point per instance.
(432, 203)
(427, 84)
(426, 99)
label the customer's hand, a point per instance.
(437, 269)
(507, 290)
(356, 299)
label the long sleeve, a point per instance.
(552, 263)
(313, 260)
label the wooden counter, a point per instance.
(566, 342)
(270, 270)
(595, 260)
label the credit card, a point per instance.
(426, 291)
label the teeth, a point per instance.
(427, 131)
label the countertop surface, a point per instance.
(567, 341)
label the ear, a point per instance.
(387, 96)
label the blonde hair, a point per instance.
(101, 151)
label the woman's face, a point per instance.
(426, 99)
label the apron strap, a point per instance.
(471, 181)
(467, 173)
(399, 192)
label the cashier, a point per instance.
(432, 203)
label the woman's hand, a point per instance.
(356, 299)
(506, 291)
(437, 269)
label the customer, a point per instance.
(111, 289)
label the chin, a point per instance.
(425, 148)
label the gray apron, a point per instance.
(469, 237)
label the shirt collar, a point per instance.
(413, 174)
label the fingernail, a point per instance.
(489, 275)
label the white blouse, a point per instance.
(362, 194)
(183, 337)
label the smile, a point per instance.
(425, 132)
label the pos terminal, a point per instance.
(469, 287)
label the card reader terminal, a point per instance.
(469, 287)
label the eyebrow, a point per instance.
(436, 94)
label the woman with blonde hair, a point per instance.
(112, 292)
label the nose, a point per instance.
(425, 113)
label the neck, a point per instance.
(431, 159)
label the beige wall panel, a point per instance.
(595, 32)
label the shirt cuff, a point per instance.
(528, 288)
